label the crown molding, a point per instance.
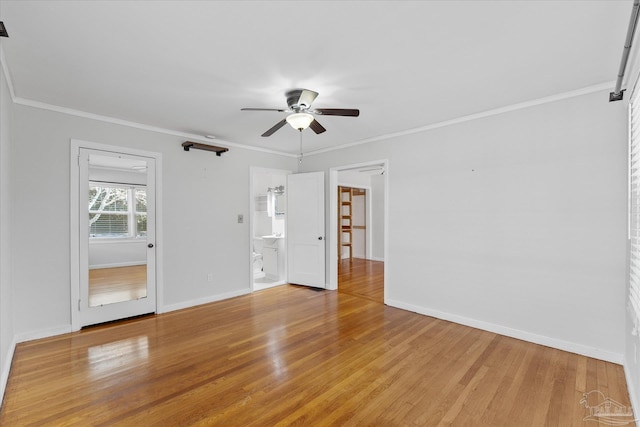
(475, 116)
(113, 120)
(488, 113)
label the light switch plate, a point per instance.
(240, 218)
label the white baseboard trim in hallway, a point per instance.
(6, 369)
(569, 346)
(205, 300)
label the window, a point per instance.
(117, 211)
(634, 208)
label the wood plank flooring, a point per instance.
(294, 356)
(361, 278)
(117, 284)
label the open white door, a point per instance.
(117, 266)
(305, 229)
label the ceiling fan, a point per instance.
(301, 117)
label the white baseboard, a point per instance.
(118, 264)
(633, 394)
(6, 368)
(205, 300)
(375, 258)
(43, 333)
(261, 286)
(569, 346)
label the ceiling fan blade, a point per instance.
(349, 112)
(275, 127)
(316, 127)
(263, 109)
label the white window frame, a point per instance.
(633, 225)
(131, 213)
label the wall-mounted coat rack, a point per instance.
(218, 150)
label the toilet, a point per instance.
(257, 258)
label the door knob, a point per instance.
(320, 238)
(150, 245)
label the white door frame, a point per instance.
(333, 221)
(252, 205)
(74, 221)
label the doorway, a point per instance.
(114, 233)
(268, 227)
(358, 228)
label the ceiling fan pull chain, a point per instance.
(300, 158)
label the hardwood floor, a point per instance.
(361, 278)
(117, 284)
(294, 356)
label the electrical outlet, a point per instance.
(210, 277)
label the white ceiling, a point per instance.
(190, 66)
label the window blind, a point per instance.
(117, 211)
(634, 208)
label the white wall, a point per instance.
(202, 196)
(354, 179)
(514, 223)
(107, 253)
(7, 334)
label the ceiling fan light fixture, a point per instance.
(300, 121)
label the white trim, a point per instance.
(375, 258)
(43, 333)
(332, 282)
(7, 76)
(74, 152)
(6, 369)
(493, 112)
(262, 286)
(633, 395)
(191, 136)
(117, 264)
(159, 236)
(116, 240)
(205, 300)
(569, 346)
(200, 138)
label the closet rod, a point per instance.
(618, 92)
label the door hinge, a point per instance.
(78, 305)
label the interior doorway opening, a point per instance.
(358, 228)
(268, 227)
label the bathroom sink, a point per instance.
(273, 236)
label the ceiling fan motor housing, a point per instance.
(293, 97)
